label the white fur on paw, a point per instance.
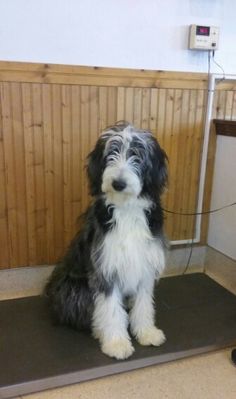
(151, 336)
(120, 348)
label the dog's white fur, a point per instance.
(124, 259)
(135, 257)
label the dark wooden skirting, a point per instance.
(225, 127)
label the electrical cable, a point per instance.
(189, 257)
(211, 57)
(218, 65)
(199, 213)
(196, 214)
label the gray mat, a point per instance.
(196, 314)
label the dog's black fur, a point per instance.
(77, 279)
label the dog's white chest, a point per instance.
(130, 253)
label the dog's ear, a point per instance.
(157, 173)
(95, 167)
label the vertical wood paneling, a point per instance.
(94, 115)
(18, 151)
(29, 172)
(167, 143)
(153, 110)
(228, 105)
(58, 170)
(49, 170)
(189, 169)
(129, 104)
(233, 111)
(224, 104)
(161, 115)
(220, 106)
(46, 133)
(182, 164)
(137, 115)
(145, 108)
(103, 108)
(121, 105)
(112, 107)
(84, 132)
(66, 154)
(38, 167)
(174, 154)
(4, 234)
(10, 173)
(76, 171)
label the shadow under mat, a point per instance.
(196, 314)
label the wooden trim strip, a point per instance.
(94, 70)
(99, 76)
(225, 85)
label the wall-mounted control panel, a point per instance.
(204, 37)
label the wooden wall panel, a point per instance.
(4, 233)
(224, 106)
(50, 119)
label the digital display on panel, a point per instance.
(203, 30)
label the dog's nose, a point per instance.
(118, 185)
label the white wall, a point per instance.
(151, 34)
(222, 228)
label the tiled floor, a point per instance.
(210, 376)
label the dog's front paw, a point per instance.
(120, 348)
(151, 336)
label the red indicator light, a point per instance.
(203, 30)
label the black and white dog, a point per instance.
(106, 279)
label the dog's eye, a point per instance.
(114, 149)
(112, 155)
(131, 153)
(135, 154)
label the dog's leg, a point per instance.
(110, 322)
(142, 318)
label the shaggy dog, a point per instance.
(106, 280)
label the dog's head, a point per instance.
(127, 162)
